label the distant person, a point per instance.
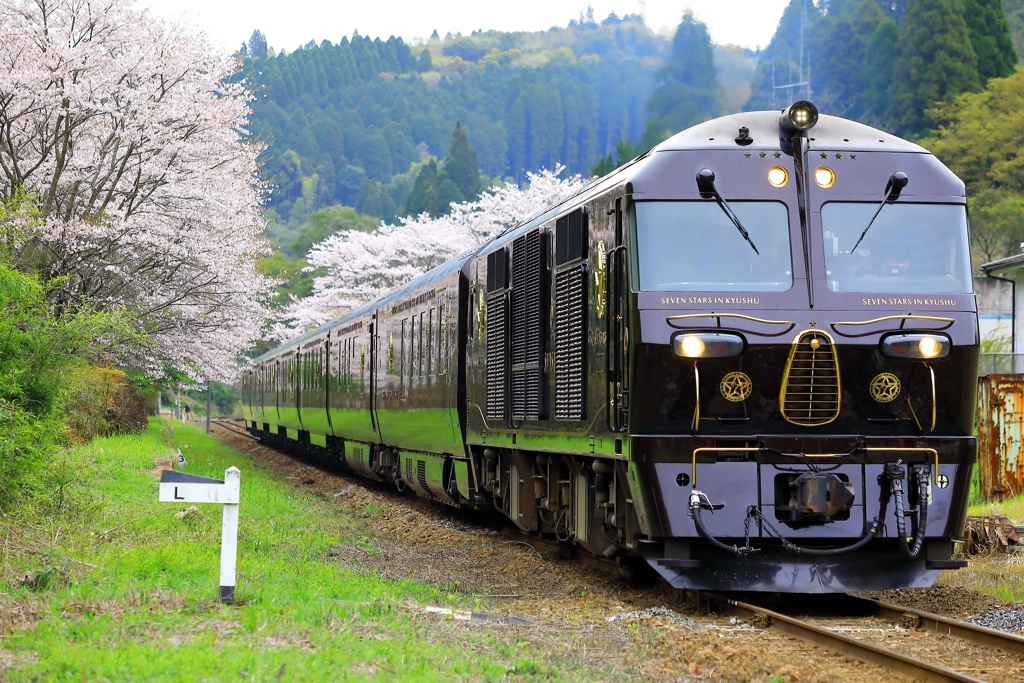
(188, 412)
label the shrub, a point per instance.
(44, 346)
(99, 401)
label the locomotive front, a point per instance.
(803, 383)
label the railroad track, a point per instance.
(231, 426)
(762, 617)
(915, 668)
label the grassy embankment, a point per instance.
(113, 586)
(993, 572)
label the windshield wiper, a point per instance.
(897, 181)
(706, 185)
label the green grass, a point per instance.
(1013, 508)
(116, 588)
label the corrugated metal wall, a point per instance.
(1001, 436)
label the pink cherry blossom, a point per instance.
(130, 135)
(361, 267)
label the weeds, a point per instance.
(993, 572)
(1012, 508)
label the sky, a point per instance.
(289, 24)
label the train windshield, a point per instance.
(910, 248)
(694, 247)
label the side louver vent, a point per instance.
(529, 261)
(496, 357)
(570, 343)
(811, 393)
(421, 474)
(408, 469)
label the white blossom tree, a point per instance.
(361, 266)
(129, 134)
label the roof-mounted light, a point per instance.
(798, 117)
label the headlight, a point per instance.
(915, 346)
(825, 177)
(778, 176)
(799, 116)
(707, 344)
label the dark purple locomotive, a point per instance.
(748, 356)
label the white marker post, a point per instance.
(180, 487)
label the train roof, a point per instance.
(428, 277)
(831, 132)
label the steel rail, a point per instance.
(232, 427)
(917, 669)
(916, 619)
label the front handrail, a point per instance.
(872, 449)
(725, 315)
(902, 318)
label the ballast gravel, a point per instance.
(463, 529)
(659, 612)
(1008, 619)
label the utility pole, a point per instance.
(208, 392)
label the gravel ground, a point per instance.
(948, 601)
(579, 613)
(1005, 619)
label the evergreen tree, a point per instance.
(990, 37)
(415, 202)
(369, 200)
(462, 166)
(838, 52)
(935, 61)
(446, 194)
(1014, 11)
(689, 83)
(878, 65)
(430, 203)
(257, 45)
(425, 62)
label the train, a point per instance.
(746, 358)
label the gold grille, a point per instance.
(810, 394)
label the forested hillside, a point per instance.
(359, 112)
(886, 62)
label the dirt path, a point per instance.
(569, 603)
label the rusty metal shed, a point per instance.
(1001, 436)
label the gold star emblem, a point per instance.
(839, 156)
(778, 154)
(885, 387)
(746, 155)
(763, 155)
(853, 156)
(736, 387)
(824, 156)
(814, 324)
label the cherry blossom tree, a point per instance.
(129, 134)
(360, 267)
